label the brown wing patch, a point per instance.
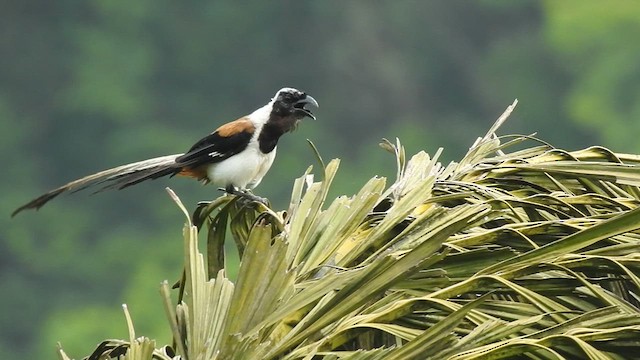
(199, 172)
(236, 127)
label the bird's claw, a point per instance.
(245, 196)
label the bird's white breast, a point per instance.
(246, 169)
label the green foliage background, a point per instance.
(89, 85)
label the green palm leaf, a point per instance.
(530, 254)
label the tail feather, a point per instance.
(116, 178)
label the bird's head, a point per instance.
(289, 102)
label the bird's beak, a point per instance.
(308, 100)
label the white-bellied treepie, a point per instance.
(236, 156)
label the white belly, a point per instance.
(244, 170)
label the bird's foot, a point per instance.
(245, 196)
(254, 198)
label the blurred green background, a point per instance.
(86, 85)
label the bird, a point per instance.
(235, 157)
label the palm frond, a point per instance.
(528, 254)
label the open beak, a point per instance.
(308, 100)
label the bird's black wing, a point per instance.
(226, 141)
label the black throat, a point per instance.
(276, 126)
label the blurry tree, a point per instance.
(600, 50)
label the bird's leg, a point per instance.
(231, 190)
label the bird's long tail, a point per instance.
(117, 178)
